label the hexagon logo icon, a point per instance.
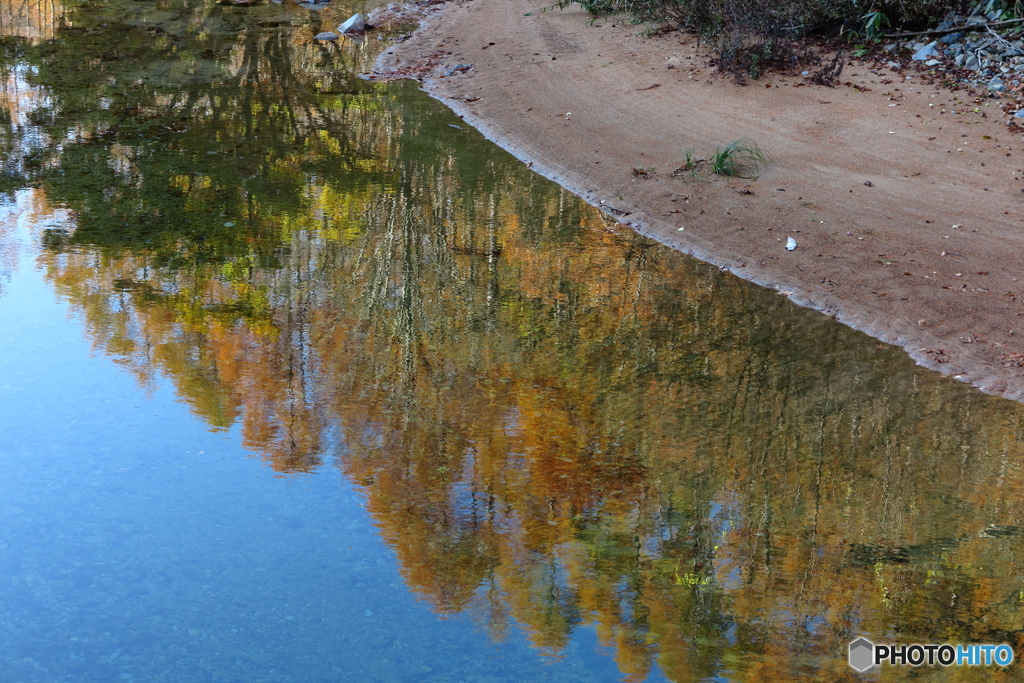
(862, 654)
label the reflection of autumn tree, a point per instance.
(217, 331)
(34, 20)
(562, 426)
(604, 434)
(585, 428)
(193, 140)
(555, 423)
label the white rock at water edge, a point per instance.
(790, 244)
(355, 24)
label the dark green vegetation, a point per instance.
(751, 35)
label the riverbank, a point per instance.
(903, 197)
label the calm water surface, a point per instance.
(303, 380)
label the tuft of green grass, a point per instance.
(691, 164)
(739, 159)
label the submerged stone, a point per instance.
(354, 24)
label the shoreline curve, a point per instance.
(899, 236)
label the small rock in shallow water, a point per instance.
(354, 24)
(326, 35)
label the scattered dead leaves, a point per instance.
(1013, 360)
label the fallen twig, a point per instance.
(956, 29)
(1006, 43)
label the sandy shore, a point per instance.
(904, 199)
